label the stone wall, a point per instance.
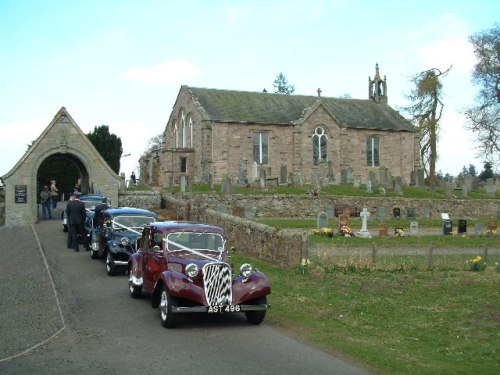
(309, 206)
(150, 200)
(247, 237)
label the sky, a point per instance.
(121, 63)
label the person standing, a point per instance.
(54, 194)
(46, 202)
(76, 222)
(133, 179)
(98, 212)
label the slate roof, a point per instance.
(231, 106)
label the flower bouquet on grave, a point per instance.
(328, 232)
(346, 231)
(400, 232)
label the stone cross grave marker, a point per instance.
(364, 221)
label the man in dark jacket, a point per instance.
(76, 222)
(98, 212)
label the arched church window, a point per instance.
(183, 126)
(176, 134)
(372, 152)
(320, 141)
(191, 132)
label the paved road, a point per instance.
(68, 317)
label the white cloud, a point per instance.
(165, 72)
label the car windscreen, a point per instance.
(91, 205)
(178, 241)
(131, 221)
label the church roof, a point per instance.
(266, 108)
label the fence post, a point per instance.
(374, 255)
(429, 261)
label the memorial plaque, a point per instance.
(21, 193)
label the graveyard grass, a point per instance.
(398, 321)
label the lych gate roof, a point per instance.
(266, 108)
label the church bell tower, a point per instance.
(377, 88)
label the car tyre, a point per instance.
(110, 265)
(135, 290)
(168, 318)
(256, 317)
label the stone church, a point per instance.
(216, 134)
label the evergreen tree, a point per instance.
(281, 85)
(108, 145)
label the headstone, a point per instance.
(383, 230)
(373, 179)
(383, 181)
(343, 175)
(397, 185)
(369, 186)
(238, 211)
(211, 181)
(478, 229)
(475, 183)
(183, 183)
(242, 175)
(490, 187)
(283, 175)
(343, 220)
(414, 228)
(427, 212)
(413, 178)
(492, 226)
(420, 178)
(411, 213)
(330, 211)
(462, 226)
(380, 213)
(330, 175)
(468, 182)
(226, 187)
(364, 224)
(255, 170)
(249, 212)
(346, 211)
(396, 212)
(322, 220)
(448, 190)
(464, 190)
(262, 178)
(357, 182)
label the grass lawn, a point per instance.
(398, 321)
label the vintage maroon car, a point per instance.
(184, 267)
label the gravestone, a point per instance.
(373, 179)
(211, 181)
(462, 226)
(413, 178)
(427, 212)
(380, 213)
(397, 185)
(238, 211)
(183, 183)
(448, 190)
(249, 212)
(330, 175)
(492, 226)
(262, 178)
(255, 170)
(343, 175)
(357, 182)
(468, 182)
(330, 211)
(283, 175)
(322, 220)
(369, 186)
(226, 187)
(396, 212)
(420, 179)
(364, 224)
(343, 220)
(464, 190)
(346, 211)
(478, 229)
(242, 175)
(414, 228)
(383, 230)
(411, 213)
(490, 187)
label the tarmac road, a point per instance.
(60, 313)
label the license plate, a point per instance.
(223, 309)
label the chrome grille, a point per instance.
(217, 281)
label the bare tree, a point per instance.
(154, 144)
(426, 112)
(484, 119)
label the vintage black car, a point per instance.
(115, 238)
(184, 267)
(90, 202)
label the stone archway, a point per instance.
(61, 139)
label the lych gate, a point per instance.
(64, 141)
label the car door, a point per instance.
(156, 261)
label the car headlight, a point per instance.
(124, 241)
(192, 270)
(246, 270)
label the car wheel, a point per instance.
(94, 254)
(110, 265)
(168, 318)
(256, 317)
(135, 290)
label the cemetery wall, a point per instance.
(246, 236)
(150, 200)
(309, 206)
